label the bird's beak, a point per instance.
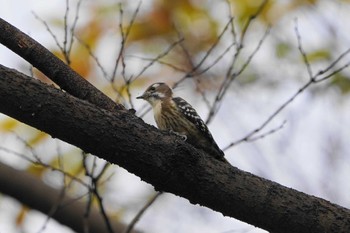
(141, 96)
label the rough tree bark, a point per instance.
(53, 67)
(158, 158)
(166, 161)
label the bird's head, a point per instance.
(156, 92)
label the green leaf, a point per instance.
(319, 55)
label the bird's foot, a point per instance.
(183, 137)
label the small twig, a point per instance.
(213, 46)
(124, 36)
(302, 51)
(202, 71)
(40, 163)
(93, 56)
(231, 76)
(251, 18)
(103, 211)
(249, 137)
(49, 30)
(321, 72)
(160, 62)
(141, 212)
(65, 40)
(312, 80)
(94, 179)
(157, 58)
(195, 70)
(332, 73)
(233, 29)
(74, 25)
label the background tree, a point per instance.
(201, 60)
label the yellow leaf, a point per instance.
(39, 136)
(69, 161)
(36, 170)
(21, 216)
(318, 55)
(8, 124)
(342, 82)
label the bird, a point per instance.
(176, 115)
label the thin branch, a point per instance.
(157, 58)
(40, 163)
(302, 51)
(312, 80)
(233, 29)
(231, 76)
(94, 57)
(249, 137)
(213, 46)
(124, 36)
(74, 25)
(333, 73)
(251, 18)
(141, 212)
(94, 179)
(160, 62)
(65, 40)
(195, 70)
(49, 31)
(321, 72)
(202, 71)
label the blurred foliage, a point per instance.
(319, 55)
(21, 216)
(282, 49)
(342, 82)
(8, 124)
(272, 12)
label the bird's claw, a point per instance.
(183, 137)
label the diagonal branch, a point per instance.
(52, 66)
(169, 164)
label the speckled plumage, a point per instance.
(175, 114)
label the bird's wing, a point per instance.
(190, 113)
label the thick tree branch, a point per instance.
(52, 66)
(166, 162)
(34, 193)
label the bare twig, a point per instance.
(231, 76)
(141, 212)
(74, 25)
(333, 73)
(249, 137)
(124, 36)
(157, 58)
(321, 72)
(312, 79)
(93, 56)
(94, 179)
(195, 70)
(302, 51)
(40, 163)
(251, 18)
(49, 30)
(160, 62)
